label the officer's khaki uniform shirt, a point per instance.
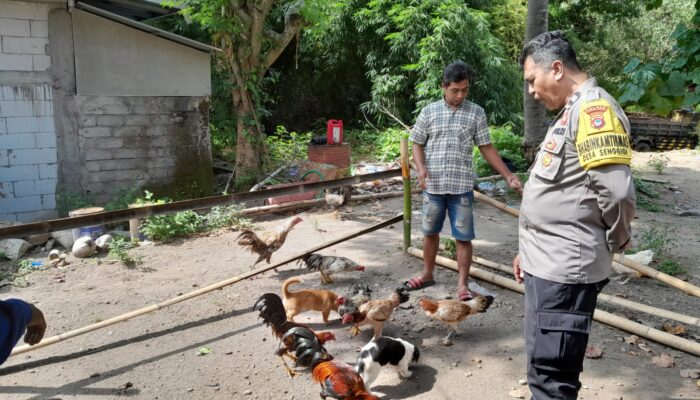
(448, 137)
(572, 219)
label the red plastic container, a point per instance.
(335, 131)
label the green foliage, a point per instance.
(163, 228)
(671, 267)
(408, 43)
(119, 250)
(658, 163)
(449, 248)
(69, 201)
(122, 198)
(3, 256)
(509, 147)
(645, 195)
(381, 145)
(658, 238)
(670, 82)
(287, 148)
(227, 216)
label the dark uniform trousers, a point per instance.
(558, 320)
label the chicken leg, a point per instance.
(325, 278)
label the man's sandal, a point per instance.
(417, 284)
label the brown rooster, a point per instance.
(267, 243)
(327, 265)
(338, 380)
(375, 312)
(452, 312)
(271, 310)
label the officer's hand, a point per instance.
(36, 327)
(515, 184)
(422, 178)
(517, 272)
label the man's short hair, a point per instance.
(547, 47)
(458, 71)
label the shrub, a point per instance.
(119, 250)
(509, 147)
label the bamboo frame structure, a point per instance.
(646, 271)
(187, 296)
(406, 178)
(599, 315)
(610, 300)
(177, 206)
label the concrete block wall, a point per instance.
(28, 169)
(144, 142)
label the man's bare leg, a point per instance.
(430, 249)
(464, 262)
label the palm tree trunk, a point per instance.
(534, 112)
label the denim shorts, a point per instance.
(459, 209)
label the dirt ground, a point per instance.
(157, 356)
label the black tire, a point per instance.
(642, 147)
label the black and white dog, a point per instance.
(382, 351)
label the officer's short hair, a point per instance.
(547, 47)
(458, 71)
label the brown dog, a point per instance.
(307, 299)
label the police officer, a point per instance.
(576, 212)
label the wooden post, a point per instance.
(406, 175)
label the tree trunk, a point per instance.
(249, 142)
(534, 112)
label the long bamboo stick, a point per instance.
(611, 300)
(646, 271)
(406, 178)
(599, 315)
(187, 296)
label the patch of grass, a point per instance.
(164, 228)
(3, 256)
(509, 147)
(658, 239)
(449, 248)
(227, 216)
(645, 193)
(122, 198)
(119, 250)
(670, 267)
(658, 163)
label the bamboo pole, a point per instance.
(187, 296)
(406, 177)
(598, 315)
(646, 271)
(610, 300)
(177, 206)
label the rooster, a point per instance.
(272, 312)
(359, 294)
(452, 312)
(269, 242)
(375, 313)
(328, 265)
(338, 380)
(339, 197)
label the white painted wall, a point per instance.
(112, 59)
(28, 169)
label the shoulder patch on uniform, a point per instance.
(601, 138)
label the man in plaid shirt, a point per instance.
(443, 138)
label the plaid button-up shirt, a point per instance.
(448, 137)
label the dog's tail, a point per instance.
(286, 284)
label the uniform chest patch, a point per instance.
(546, 160)
(550, 145)
(564, 118)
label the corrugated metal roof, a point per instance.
(126, 4)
